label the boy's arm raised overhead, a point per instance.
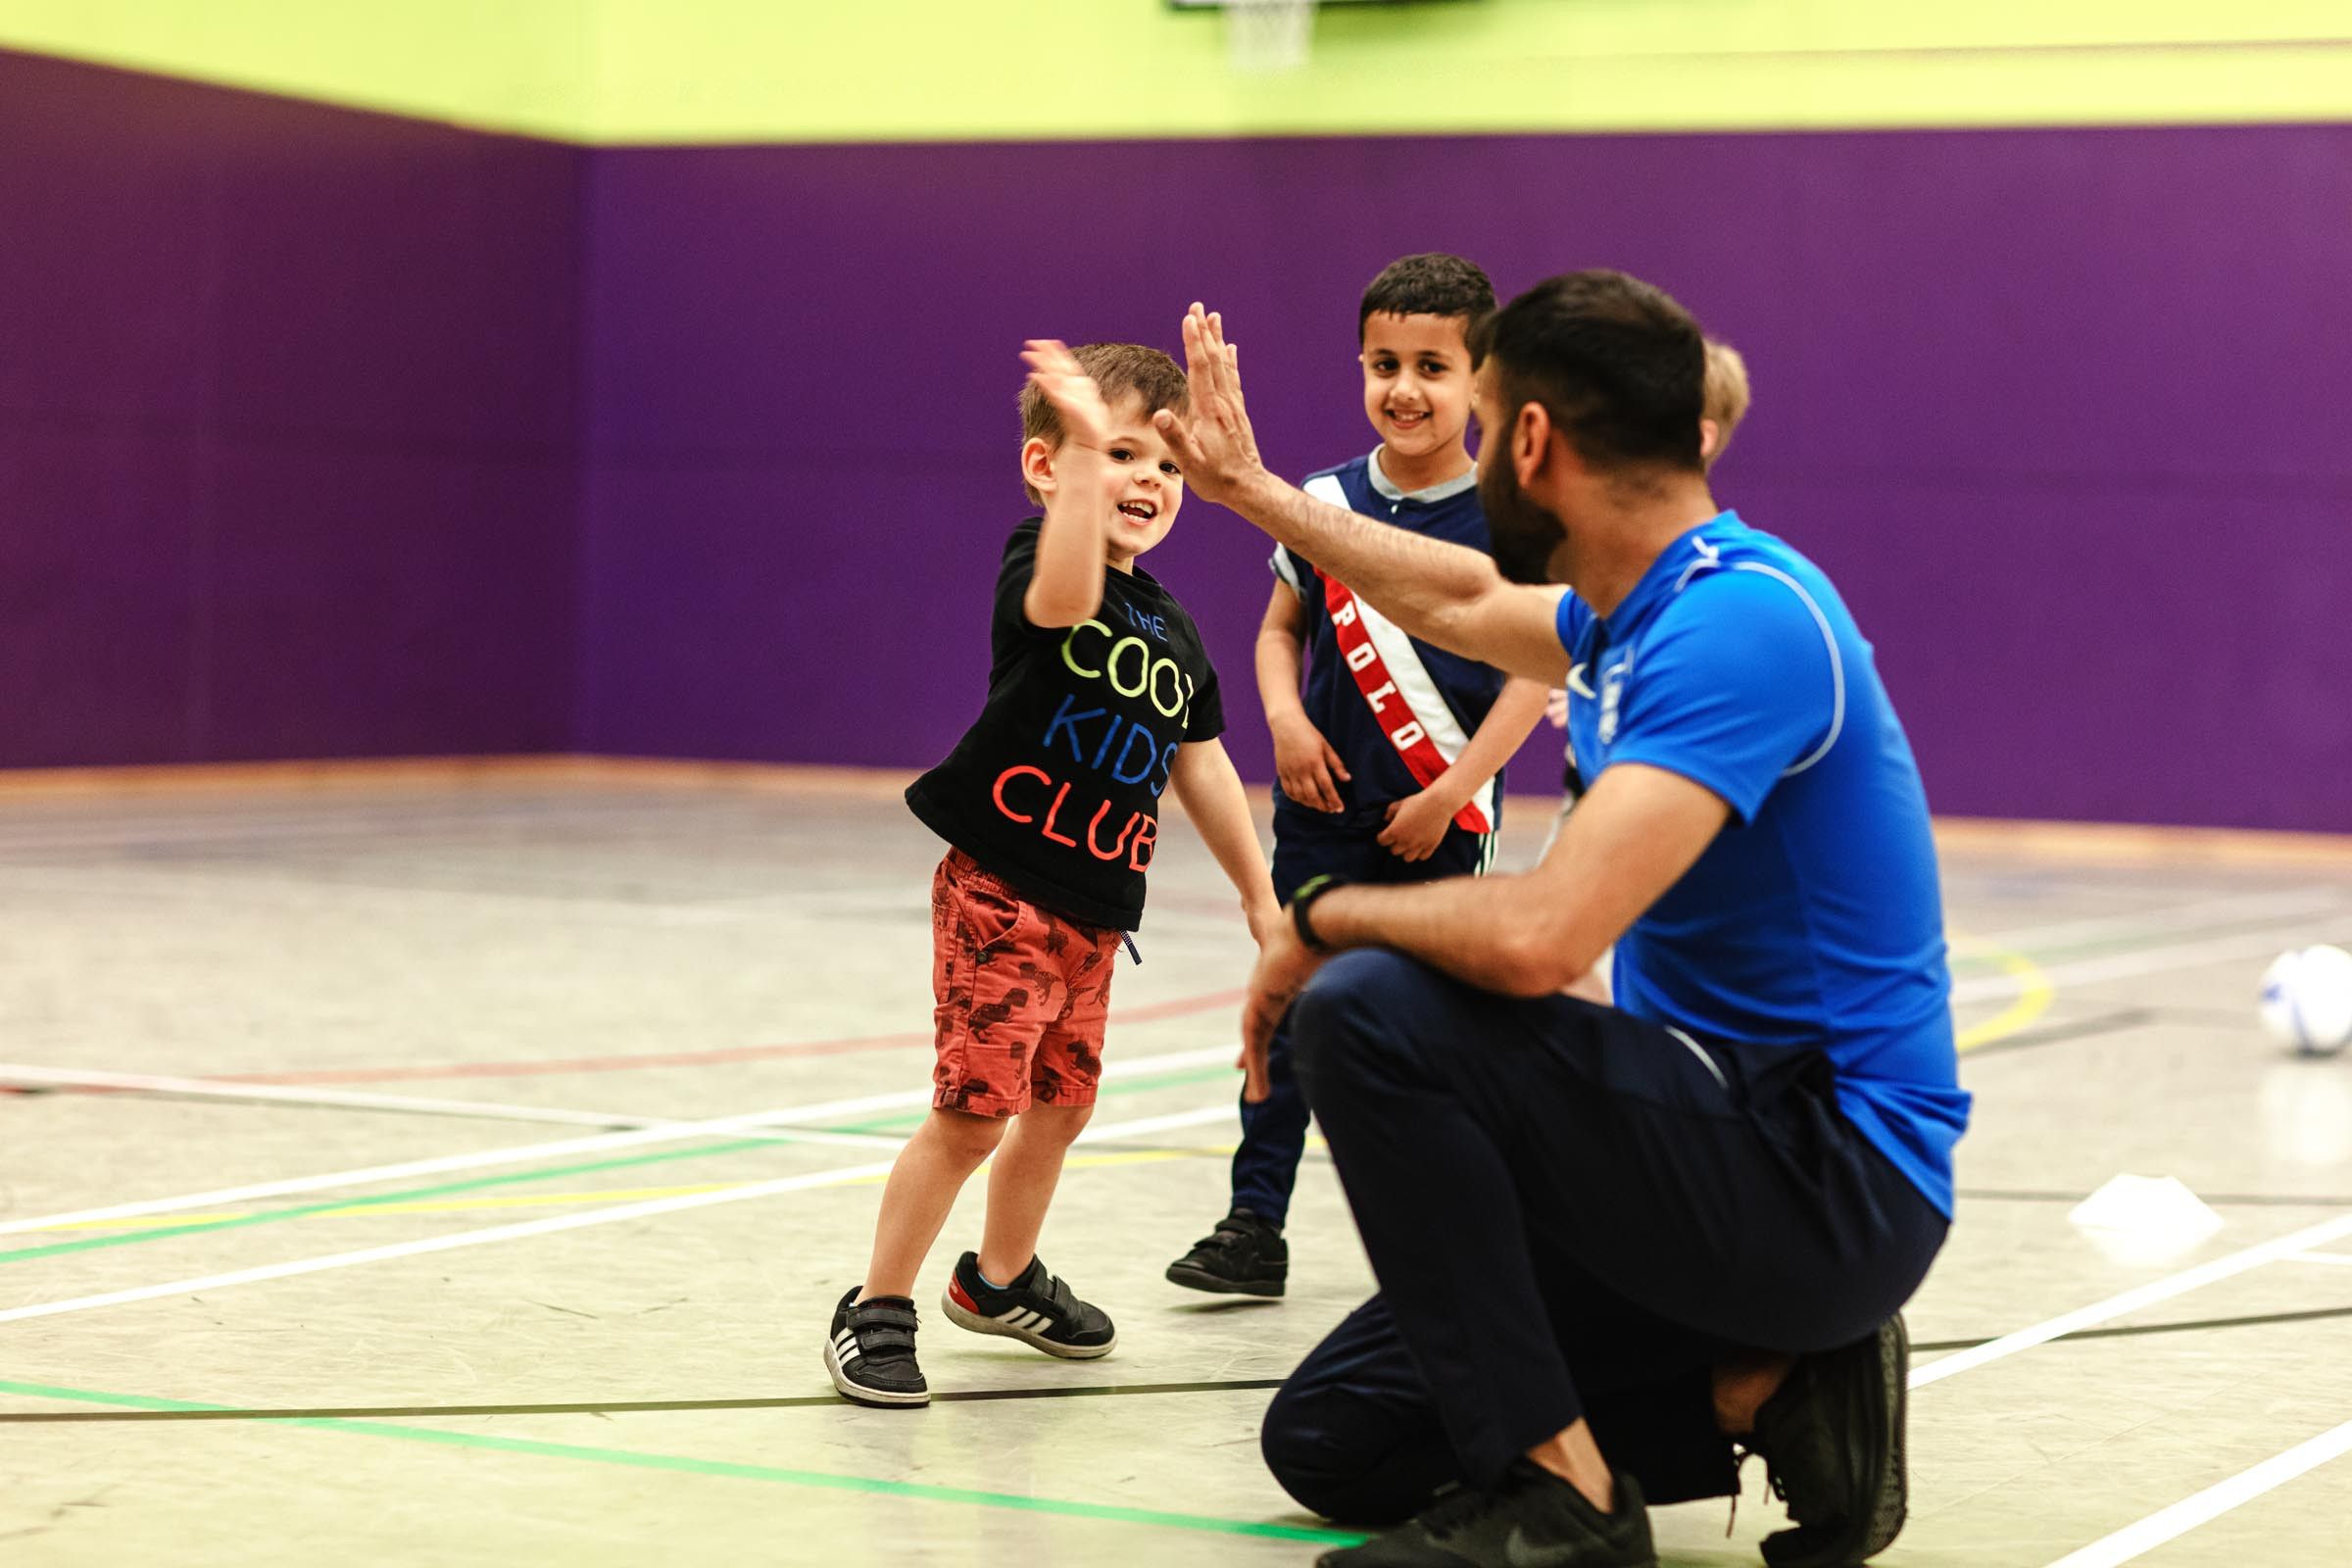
(1445, 594)
(1310, 770)
(1077, 480)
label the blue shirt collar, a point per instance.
(1694, 550)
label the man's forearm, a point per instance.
(1474, 928)
(1422, 584)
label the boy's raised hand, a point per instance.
(1063, 382)
(1213, 441)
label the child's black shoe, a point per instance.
(1036, 1308)
(871, 1352)
(1244, 1255)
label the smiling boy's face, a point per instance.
(1150, 482)
(1417, 381)
(1150, 487)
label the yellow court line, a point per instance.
(455, 1205)
(2034, 994)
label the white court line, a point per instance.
(2246, 905)
(899, 1099)
(2143, 961)
(2340, 1259)
(2215, 1500)
(357, 1100)
(550, 1226)
(2131, 1301)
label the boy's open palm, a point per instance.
(1063, 382)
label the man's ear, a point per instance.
(1531, 442)
(1037, 464)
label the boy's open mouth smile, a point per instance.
(1409, 420)
(1139, 511)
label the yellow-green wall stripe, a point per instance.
(812, 71)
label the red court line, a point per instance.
(1180, 1007)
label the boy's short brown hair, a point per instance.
(1120, 370)
(1432, 283)
(1726, 395)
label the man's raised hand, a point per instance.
(1063, 382)
(1213, 442)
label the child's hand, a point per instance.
(1556, 708)
(1264, 919)
(1306, 765)
(1417, 824)
(1063, 382)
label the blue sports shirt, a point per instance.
(1814, 918)
(1450, 512)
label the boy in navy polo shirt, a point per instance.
(1389, 753)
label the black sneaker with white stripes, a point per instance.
(1036, 1308)
(871, 1352)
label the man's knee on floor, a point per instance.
(1349, 1008)
(1320, 1447)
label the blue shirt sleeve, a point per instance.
(1736, 683)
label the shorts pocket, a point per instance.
(989, 915)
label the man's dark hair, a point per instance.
(1121, 371)
(1433, 283)
(1619, 365)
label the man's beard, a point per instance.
(1523, 533)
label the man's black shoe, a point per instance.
(1832, 1436)
(870, 1352)
(1532, 1520)
(1036, 1308)
(1244, 1255)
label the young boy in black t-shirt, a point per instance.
(1099, 697)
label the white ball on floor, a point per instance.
(2306, 1000)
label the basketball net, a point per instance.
(1269, 36)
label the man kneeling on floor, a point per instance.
(1617, 1246)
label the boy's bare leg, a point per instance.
(1020, 1185)
(929, 1172)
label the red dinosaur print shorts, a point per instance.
(1022, 994)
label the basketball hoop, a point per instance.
(1269, 36)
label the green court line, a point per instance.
(472, 1184)
(682, 1464)
(475, 1183)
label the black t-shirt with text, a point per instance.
(1056, 787)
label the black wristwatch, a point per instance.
(1314, 888)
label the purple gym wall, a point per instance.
(324, 433)
(287, 427)
(2054, 407)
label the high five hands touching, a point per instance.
(1213, 442)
